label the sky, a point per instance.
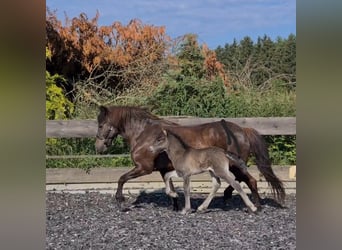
(216, 22)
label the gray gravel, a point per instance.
(93, 221)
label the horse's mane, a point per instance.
(134, 113)
(128, 114)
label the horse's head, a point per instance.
(106, 131)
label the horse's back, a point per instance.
(202, 135)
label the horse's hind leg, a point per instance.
(216, 185)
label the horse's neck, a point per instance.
(175, 149)
(130, 132)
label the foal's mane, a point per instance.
(185, 146)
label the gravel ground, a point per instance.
(93, 221)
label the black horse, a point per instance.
(140, 128)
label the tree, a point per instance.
(116, 55)
(190, 57)
(261, 64)
(198, 61)
(57, 105)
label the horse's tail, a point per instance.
(258, 148)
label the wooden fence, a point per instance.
(88, 128)
(105, 180)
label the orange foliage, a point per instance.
(213, 67)
(82, 46)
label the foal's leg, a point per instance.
(170, 188)
(164, 165)
(186, 187)
(249, 180)
(230, 179)
(216, 185)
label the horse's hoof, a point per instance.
(119, 199)
(175, 207)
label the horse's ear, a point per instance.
(164, 131)
(103, 110)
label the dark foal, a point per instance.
(189, 161)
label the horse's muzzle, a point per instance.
(100, 146)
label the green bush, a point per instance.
(57, 105)
(189, 97)
(210, 99)
(85, 146)
(88, 163)
(202, 98)
(282, 149)
(194, 97)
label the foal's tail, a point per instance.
(258, 148)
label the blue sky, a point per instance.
(216, 22)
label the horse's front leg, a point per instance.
(139, 170)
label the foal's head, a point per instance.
(159, 143)
(106, 132)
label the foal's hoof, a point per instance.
(186, 211)
(253, 210)
(172, 194)
(202, 211)
(125, 209)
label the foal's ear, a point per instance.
(164, 131)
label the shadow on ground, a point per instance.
(160, 199)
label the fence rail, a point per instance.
(103, 180)
(88, 128)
